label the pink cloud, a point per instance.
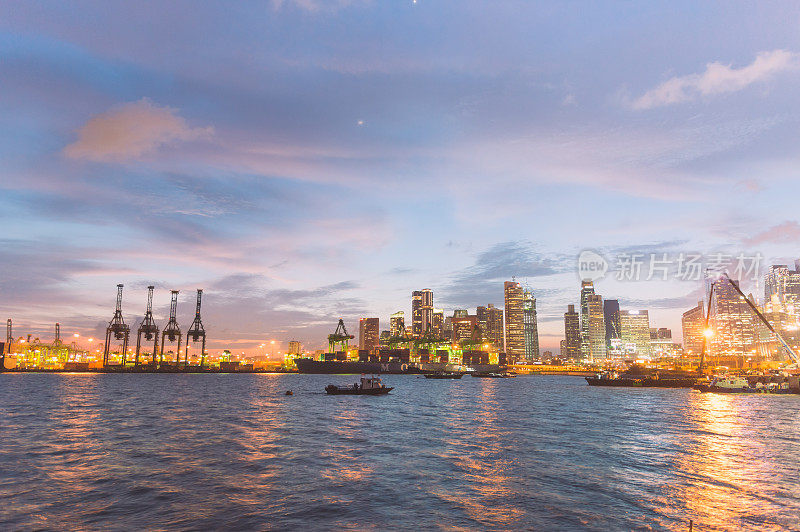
(785, 233)
(717, 79)
(130, 131)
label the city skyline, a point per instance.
(329, 157)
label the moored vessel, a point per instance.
(367, 386)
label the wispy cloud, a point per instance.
(717, 79)
(785, 233)
(130, 131)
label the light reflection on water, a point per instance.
(232, 451)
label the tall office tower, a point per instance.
(784, 319)
(515, 328)
(369, 334)
(421, 311)
(397, 324)
(693, 325)
(733, 322)
(295, 348)
(635, 331)
(530, 325)
(611, 315)
(494, 326)
(572, 334)
(587, 289)
(438, 323)
(482, 314)
(597, 327)
(460, 313)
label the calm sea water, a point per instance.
(232, 452)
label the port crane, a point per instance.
(196, 332)
(339, 338)
(148, 328)
(172, 330)
(789, 350)
(118, 328)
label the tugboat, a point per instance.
(369, 386)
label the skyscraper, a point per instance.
(494, 326)
(295, 347)
(635, 331)
(784, 283)
(733, 322)
(369, 334)
(397, 324)
(530, 325)
(463, 325)
(572, 334)
(515, 328)
(611, 316)
(693, 325)
(587, 289)
(421, 311)
(596, 330)
(438, 323)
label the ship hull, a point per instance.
(642, 382)
(347, 367)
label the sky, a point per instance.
(306, 160)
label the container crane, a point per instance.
(339, 338)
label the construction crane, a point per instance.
(758, 313)
(196, 332)
(172, 330)
(9, 336)
(706, 330)
(118, 328)
(148, 328)
(339, 337)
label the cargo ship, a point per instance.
(352, 367)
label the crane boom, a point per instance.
(758, 313)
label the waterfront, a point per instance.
(125, 451)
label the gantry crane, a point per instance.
(339, 337)
(57, 340)
(148, 328)
(118, 328)
(172, 330)
(196, 332)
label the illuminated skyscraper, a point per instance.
(733, 322)
(295, 348)
(490, 320)
(635, 331)
(693, 324)
(438, 323)
(531, 327)
(611, 316)
(421, 311)
(596, 330)
(515, 327)
(587, 289)
(572, 334)
(463, 325)
(783, 283)
(397, 324)
(369, 334)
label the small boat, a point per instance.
(368, 386)
(491, 375)
(444, 375)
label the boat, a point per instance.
(492, 375)
(640, 377)
(740, 384)
(444, 375)
(368, 386)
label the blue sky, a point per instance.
(306, 160)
